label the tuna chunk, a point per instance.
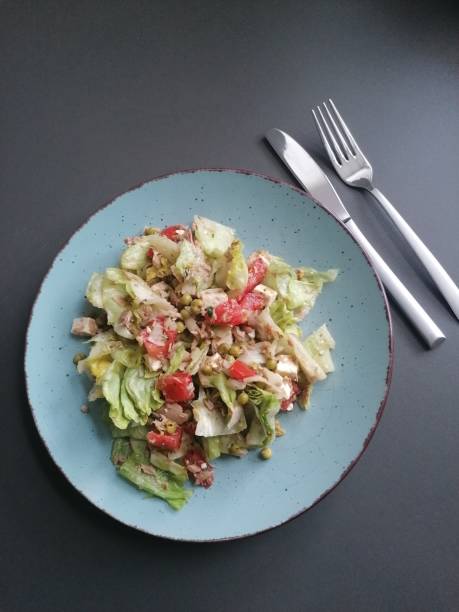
(84, 326)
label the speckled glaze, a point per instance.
(320, 446)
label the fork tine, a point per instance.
(339, 153)
(346, 130)
(331, 154)
(339, 134)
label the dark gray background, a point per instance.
(98, 96)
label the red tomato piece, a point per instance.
(257, 272)
(240, 370)
(175, 232)
(252, 301)
(158, 338)
(228, 313)
(177, 387)
(150, 253)
(169, 442)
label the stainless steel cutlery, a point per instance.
(316, 183)
(355, 170)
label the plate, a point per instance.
(321, 445)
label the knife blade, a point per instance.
(311, 177)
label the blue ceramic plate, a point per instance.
(320, 446)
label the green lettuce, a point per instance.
(121, 449)
(111, 388)
(214, 238)
(228, 395)
(198, 354)
(167, 465)
(141, 391)
(211, 422)
(299, 294)
(308, 365)
(94, 290)
(135, 256)
(158, 484)
(136, 432)
(284, 318)
(192, 267)
(266, 407)
(233, 444)
(128, 406)
(176, 359)
(237, 274)
(319, 344)
(139, 450)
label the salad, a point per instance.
(196, 351)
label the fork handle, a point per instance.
(439, 275)
(416, 314)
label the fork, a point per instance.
(354, 169)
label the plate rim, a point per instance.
(389, 369)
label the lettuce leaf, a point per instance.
(94, 290)
(176, 359)
(162, 462)
(211, 422)
(266, 407)
(135, 258)
(284, 318)
(214, 238)
(310, 368)
(198, 355)
(141, 391)
(319, 344)
(158, 484)
(299, 294)
(192, 267)
(232, 444)
(111, 388)
(228, 395)
(237, 274)
(121, 449)
(128, 406)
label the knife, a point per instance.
(316, 183)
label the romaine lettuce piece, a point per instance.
(137, 432)
(284, 318)
(176, 359)
(228, 394)
(140, 390)
(134, 258)
(111, 388)
(308, 365)
(298, 293)
(198, 355)
(121, 449)
(162, 462)
(128, 406)
(94, 290)
(140, 450)
(266, 407)
(237, 274)
(192, 267)
(233, 444)
(214, 238)
(211, 422)
(319, 345)
(158, 484)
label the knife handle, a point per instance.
(411, 308)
